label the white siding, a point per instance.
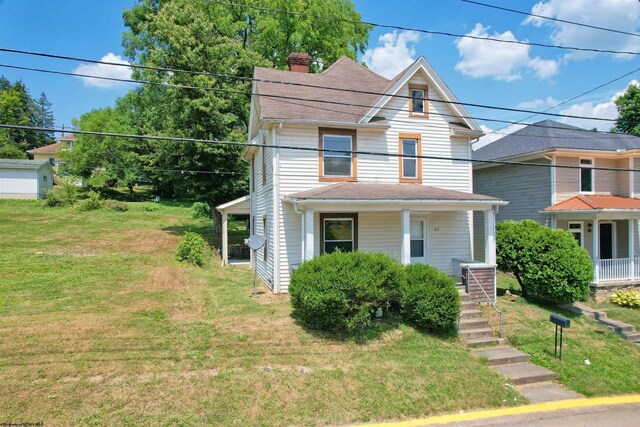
(23, 183)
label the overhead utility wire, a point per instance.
(254, 79)
(281, 97)
(550, 18)
(312, 149)
(422, 30)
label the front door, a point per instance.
(418, 241)
(606, 240)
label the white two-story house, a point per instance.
(390, 185)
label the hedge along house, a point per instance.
(307, 202)
(600, 207)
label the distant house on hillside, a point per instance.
(52, 152)
(25, 179)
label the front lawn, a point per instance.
(99, 325)
(613, 365)
(615, 312)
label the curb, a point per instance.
(518, 410)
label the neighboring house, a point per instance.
(53, 151)
(25, 179)
(599, 207)
(310, 202)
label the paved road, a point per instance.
(608, 415)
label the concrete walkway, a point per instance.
(625, 330)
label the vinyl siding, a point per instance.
(621, 235)
(605, 182)
(24, 183)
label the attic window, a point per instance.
(418, 101)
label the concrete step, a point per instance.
(502, 355)
(547, 392)
(470, 314)
(525, 373)
(468, 334)
(464, 297)
(484, 341)
(618, 327)
(632, 336)
(477, 323)
(468, 305)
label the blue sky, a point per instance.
(477, 72)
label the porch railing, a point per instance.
(619, 269)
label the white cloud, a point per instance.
(500, 61)
(538, 103)
(603, 110)
(622, 15)
(395, 52)
(103, 70)
(491, 137)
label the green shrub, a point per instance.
(91, 203)
(549, 264)
(200, 210)
(630, 298)
(192, 249)
(151, 208)
(65, 194)
(429, 299)
(115, 206)
(340, 292)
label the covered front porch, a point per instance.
(607, 228)
(238, 207)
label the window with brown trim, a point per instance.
(265, 248)
(410, 145)
(418, 95)
(338, 231)
(339, 165)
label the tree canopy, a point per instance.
(628, 106)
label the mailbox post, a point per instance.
(563, 322)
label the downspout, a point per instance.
(552, 159)
(276, 218)
(471, 220)
(297, 210)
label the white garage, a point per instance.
(25, 179)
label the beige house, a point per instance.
(327, 176)
(590, 198)
(52, 152)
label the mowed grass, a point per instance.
(99, 325)
(616, 312)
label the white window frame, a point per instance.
(326, 154)
(577, 230)
(324, 230)
(593, 175)
(426, 236)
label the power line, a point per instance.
(312, 149)
(254, 79)
(422, 30)
(550, 18)
(282, 97)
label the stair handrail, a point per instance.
(488, 299)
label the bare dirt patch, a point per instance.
(137, 241)
(165, 278)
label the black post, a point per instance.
(555, 345)
(561, 329)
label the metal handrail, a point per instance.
(489, 299)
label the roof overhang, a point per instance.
(339, 205)
(239, 206)
(485, 163)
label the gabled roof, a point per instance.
(23, 164)
(595, 202)
(47, 149)
(342, 77)
(549, 135)
(358, 191)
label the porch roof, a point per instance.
(240, 206)
(367, 192)
(592, 203)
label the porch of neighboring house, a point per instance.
(234, 254)
(607, 228)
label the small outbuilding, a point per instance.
(25, 179)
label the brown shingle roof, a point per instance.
(364, 191)
(47, 149)
(590, 203)
(344, 75)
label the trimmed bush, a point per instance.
(548, 264)
(192, 249)
(91, 203)
(630, 298)
(115, 206)
(429, 299)
(200, 210)
(341, 291)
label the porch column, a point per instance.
(490, 237)
(405, 245)
(308, 234)
(632, 248)
(595, 251)
(225, 245)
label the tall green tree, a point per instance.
(628, 106)
(222, 39)
(44, 118)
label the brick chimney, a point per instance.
(298, 62)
